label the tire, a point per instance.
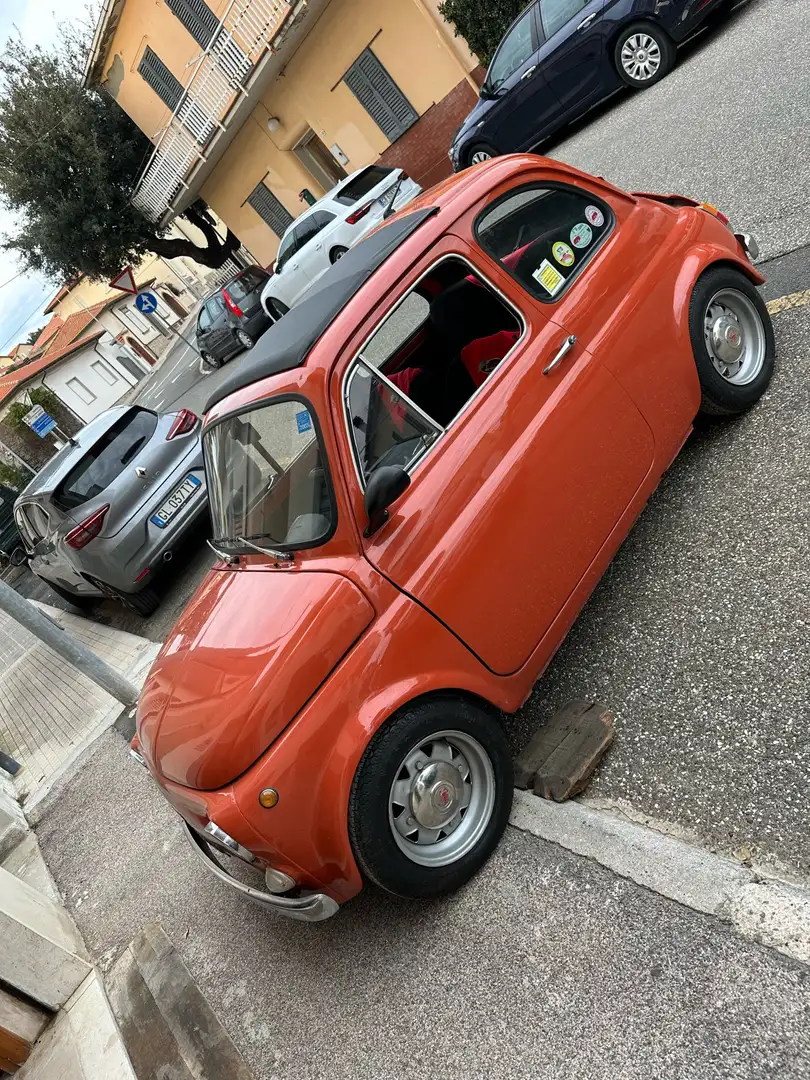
(727, 319)
(209, 361)
(143, 603)
(277, 308)
(480, 152)
(337, 253)
(244, 339)
(433, 862)
(81, 603)
(645, 40)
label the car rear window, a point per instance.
(106, 459)
(361, 185)
(246, 283)
(544, 236)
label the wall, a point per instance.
(309, 93)
(103, 381)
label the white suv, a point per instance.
(328, 229)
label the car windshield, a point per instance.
(267, 478)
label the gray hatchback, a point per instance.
(107, 512)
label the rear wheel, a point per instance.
(732, 341)
(81, 603)
(244, 339)
(431, 797)
(143, 603)
(643, 55)
(277, 308)
(337, 253)
(480, 153)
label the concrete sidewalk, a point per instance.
(546, 966)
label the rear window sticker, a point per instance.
(595, 216)
(549, 277)
(581, 235)
(562, 253)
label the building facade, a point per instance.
(261, 105)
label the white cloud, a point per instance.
(21, 302)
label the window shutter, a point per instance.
(269, 209)
(380, 96)
(157, 75)
(197, 17)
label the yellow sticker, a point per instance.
(562, 253)
(549, 277)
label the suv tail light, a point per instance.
(353, 218)
(231, 304)
(88, 529)
(184, 422)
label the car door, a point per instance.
(223, 341)
(520, 102)
(573, 50)
(513, 502)
(204, 324)
(314, 255)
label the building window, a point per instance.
(81, 391)
(380, 96)
(104, 372)
(269, 209)
(153, 71)
(197, 17)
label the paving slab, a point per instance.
(547, 965)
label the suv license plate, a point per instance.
(164, 515)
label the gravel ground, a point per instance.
(697, 635)
(545, 966)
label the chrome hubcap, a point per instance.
(442, 798)
(734, 336)
(479, 156)
(641, 57)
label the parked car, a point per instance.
(11, 545)
(326, 231)
(417, 479)
(232, 318)
(107, 512)
(560, 57)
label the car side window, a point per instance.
(309, 228)
(544, 236)
(215, 307)
(322, 218)
(554, 14)
(204, 321)
(515, 49)
(289, 245)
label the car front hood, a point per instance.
(245, 656)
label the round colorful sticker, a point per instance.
(562, 253)
(581, 235)
(595, 216)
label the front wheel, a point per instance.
(337, 253)
(479, 153)
(244, 339)
(431, 797)
(643, 55)
(208, 361)
(732, 341)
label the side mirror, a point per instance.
(18, 557)
(385, 486)
(274, 267)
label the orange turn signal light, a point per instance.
(268, 797)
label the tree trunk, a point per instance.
(214, 256)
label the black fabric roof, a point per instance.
(288, 342)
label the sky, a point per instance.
(22, 301)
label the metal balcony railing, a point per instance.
(218, 77)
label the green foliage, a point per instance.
(482, 23)
(32, 337)
(13, 477)
(39, 395)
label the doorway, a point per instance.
(317, 160)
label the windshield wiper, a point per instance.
(280, 556)
(389, 210)
(226, 558)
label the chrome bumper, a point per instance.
(750, 245)
(312, 908)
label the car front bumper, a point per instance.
(311, 907)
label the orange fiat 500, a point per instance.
(417, 477)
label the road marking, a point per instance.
(784, 303)
(758, 905)
(179, 375)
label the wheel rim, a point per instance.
(480, 156)
(244, 339)
(641, 57)
(735, 337)
(338, 253)
(442, 798)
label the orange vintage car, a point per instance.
(417, 477)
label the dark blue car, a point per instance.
(560, 57)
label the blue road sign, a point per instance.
(44, 425)
(146, 302)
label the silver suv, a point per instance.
(107, 512)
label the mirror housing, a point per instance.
(18, 557)
(385, 486)
(274, 267)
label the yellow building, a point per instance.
(257, 105)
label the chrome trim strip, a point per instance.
(312, 908)
(360, 359)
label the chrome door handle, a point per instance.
(529, 71)
(587, 22)
(566, 347)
